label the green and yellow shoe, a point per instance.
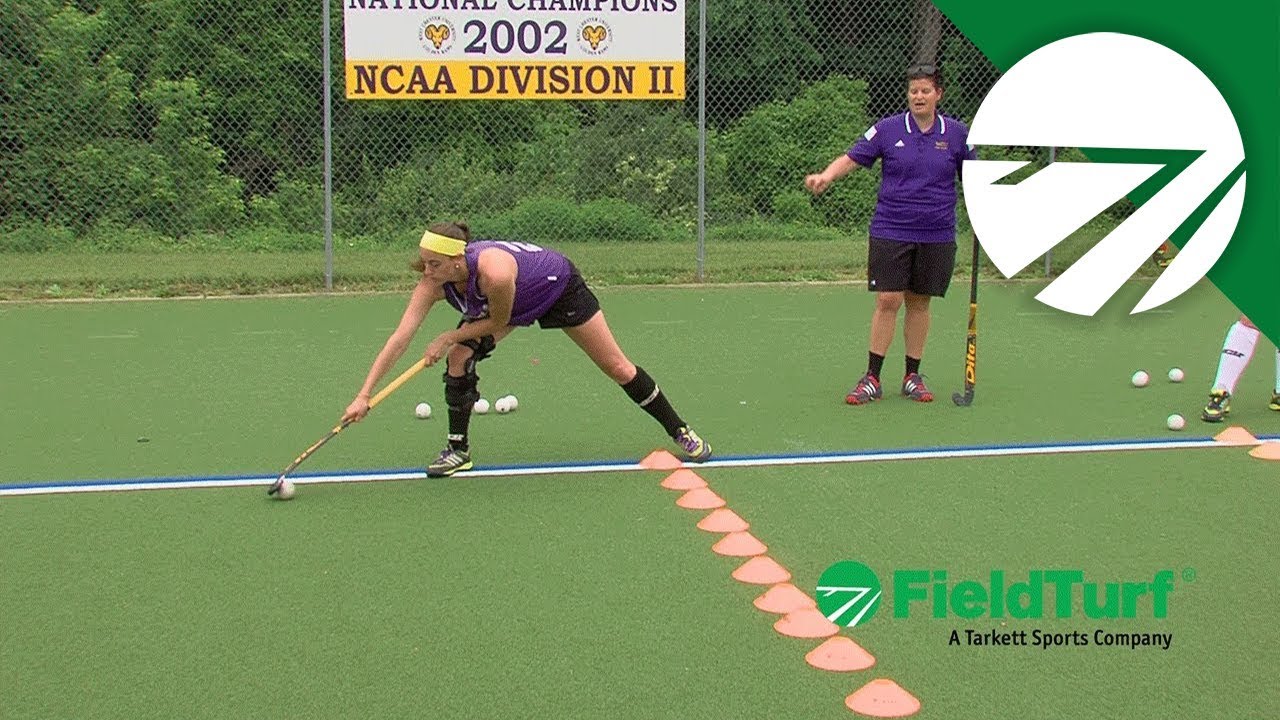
(449, 462)
(1219, 406)
(694, 447)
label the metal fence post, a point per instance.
(328, 159)
(702, 137)
(1048, 257)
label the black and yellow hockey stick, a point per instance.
(965, 399)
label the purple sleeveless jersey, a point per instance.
(541, 277)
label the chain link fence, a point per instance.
(200, 125)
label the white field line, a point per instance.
(264, 481)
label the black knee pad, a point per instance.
(480, 348)
(460, 393)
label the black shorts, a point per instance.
(922, 268)
(577, 304)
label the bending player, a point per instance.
(1237, 351)
(498, 286)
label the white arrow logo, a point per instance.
(1105, 90)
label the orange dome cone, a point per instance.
(739, 544)
(683, 479)
(723, 520)
(660, 460)
(1236, 435)
(784, 598)
(700, 499)
(882, 698)
(761, 570)
(805, 624)
(840, 654)
(1269, 450)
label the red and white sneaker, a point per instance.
(867, 390)
(914, 388)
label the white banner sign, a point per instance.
(515, 49)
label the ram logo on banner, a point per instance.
(514, 49)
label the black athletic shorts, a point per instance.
(576, 305)
(922, 268)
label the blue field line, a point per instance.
(849, 456)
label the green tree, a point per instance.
(67, 101)
(756, 53)
(777, 144)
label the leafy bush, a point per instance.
(795, 206)
(757, 230)
(553, 220)
(646, 158)
(774, 146)
(34, 237)
(200, 196)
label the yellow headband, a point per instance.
(441, 244)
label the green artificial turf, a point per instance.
(592, 595)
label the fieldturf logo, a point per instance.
(1026, 599)
(1094, 92)
(848, 593)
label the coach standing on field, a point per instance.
(912, 249)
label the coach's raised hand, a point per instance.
(817, 183)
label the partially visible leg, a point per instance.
(1275, 395)
(597, 341)
(932, 268)
(888, 274)
(915, 330)
(461, 392)
(1237, 351)
(884, 320)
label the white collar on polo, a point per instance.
(942, 122)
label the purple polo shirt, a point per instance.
(917, 200)
(541, 278)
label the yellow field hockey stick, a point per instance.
(382, 395)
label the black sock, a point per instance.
(646, 393)
(913, 365)
(460, 395)
(875, 363)
(458, 422)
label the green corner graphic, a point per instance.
(1236, 47)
